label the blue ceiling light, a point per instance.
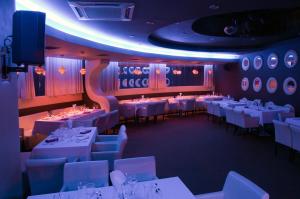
(62, 23)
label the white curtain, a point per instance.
(63, 84)
(109, 78)
(26, 84)
(157, 76)
(209, 76)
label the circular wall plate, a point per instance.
(245, 84)
(145, 82)
(272, 85)
(168, 81)
(257, 84)
(145, 70)
(245, 63)
(257, 62)
(167, 70)
(272, 61)
(131, 83)
(289, 86)
(290, 58)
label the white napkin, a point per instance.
(117, 177)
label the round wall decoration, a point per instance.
(272, 61)
(257, 84)
(289, 86)
(245, 84)
(257, 62)
(272, 85)
(245, 63)
(290, 58)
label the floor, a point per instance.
(201, 152)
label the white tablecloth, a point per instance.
(171, 188)
(293, 121)
(71, 144)
(47, 125)
(266, 116)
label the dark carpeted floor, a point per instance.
(202, 152)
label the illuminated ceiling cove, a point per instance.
(63, 23)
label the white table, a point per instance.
(266, 116)
(171, 188)
(71, 144)
(293, 121)
(47, 125)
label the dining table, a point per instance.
(295, 121)
(72, 143)
(50, 123)
(166, 188)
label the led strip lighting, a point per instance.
(57, 21)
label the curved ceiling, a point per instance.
(235, 30)
(148, 16)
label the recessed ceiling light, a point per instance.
(102, 55)
(51, 47)
(150, 22)
(131, 36)
(214, 6)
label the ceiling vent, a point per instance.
(106, 11)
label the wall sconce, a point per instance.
(177, 72)
(210, 72)
(82, 71)
(137, 71)
(195, 72)
(157, 71)
(39, 70)
(62, 70)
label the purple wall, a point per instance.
(229, 76)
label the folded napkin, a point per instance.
(53, 139)
(85, 132)
(117, 178)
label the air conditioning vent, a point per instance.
(108, 11)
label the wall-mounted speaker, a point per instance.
(28, 38)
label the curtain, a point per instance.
(63, 84)
(26, 84)
(157, 76)
(109, 78)
(209, 76)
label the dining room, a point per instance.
(130, 100)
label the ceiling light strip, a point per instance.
(61, 23)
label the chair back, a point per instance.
(45, 175)
(290, 107)
(283, 134)
(141, 168)
(295, 137)
(187, 105)
(127, 110)
(210, 108)
(101, 122)
(269, 104)
(85, 172)
(113, 119)
(237, 187)
(122, 140)
(229, 115)
(160, 108)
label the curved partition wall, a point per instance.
(92, 85)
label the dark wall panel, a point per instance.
(228, 81)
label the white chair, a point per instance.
(127, 111)
(283, 134)
(173, 106)
(218, 110)
(210, 108)
(101, 123)
(95, 172)
(147, 111)
(45, 175)
(290, 112)
(112, 138)
(160, 109)
(110, 150)
(244, 120)
(237, 187)
(295, 138)
(113, 119)
(140, 168)
(89, 122)
(187, 105)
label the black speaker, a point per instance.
(28, 38)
